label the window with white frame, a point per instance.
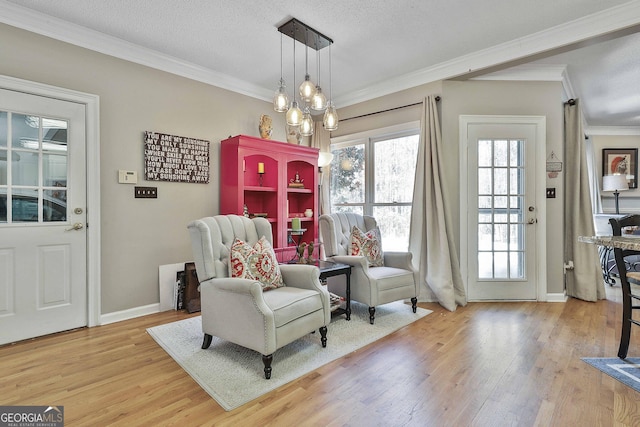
(373, 173)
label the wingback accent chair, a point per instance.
(395, 280)
(238, 310)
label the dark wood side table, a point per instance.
(330, 269)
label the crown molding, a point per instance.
(599, 24)
(36, 22)
(613, 130)
(596, 25)
(535, 72)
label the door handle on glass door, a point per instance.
(532, 220)
(76, 226)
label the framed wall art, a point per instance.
(623, 161)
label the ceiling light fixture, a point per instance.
(280, 99)
(330, 119)
(307, 88)
(294, 114)
(310, 94)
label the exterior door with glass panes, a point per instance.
(501, 212)
(43, 285)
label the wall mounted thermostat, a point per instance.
(127, 177)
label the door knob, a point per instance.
(76, 226)
(532, 221)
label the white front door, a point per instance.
(43, 273)
(501, 211)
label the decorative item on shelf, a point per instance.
(293, 135)
(310, 249)
(245, 211)
(295, 224)
(259, 215)
(301, 249)
(308, 213)
(296, 182)
(310, 93)
(265, 127)
(615, 183)
(260, 172)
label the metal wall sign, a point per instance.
(175, 158)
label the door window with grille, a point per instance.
(33, 169)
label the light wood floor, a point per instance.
(487, 364)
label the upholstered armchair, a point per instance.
(394, 280)
(238, 309)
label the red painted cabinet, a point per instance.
(286, 188)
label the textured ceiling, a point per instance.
(379, 46)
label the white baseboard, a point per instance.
(559, 297)
(130, 313)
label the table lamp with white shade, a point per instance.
(615, 183)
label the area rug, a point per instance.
(626, 371)
(233, 375)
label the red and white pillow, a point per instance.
(367, 244)
(256, 263)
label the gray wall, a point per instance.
(138, 235)
(479, 97)
(510, 98)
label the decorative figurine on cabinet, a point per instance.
(310, 249)
(301, 248)
(265, 127)
(296, 182)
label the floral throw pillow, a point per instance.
(256, 263)
(367, 244)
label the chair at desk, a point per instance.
(628, 296)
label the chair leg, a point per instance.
(207, 341)
(267, 365)
(323, 336)
(372, 314)
(414, 302)
(625, 335)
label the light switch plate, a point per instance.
(127, 177)
(145, 192)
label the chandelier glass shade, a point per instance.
(319, 101)
(306, 127)
(330, 119)
(307, 89)
(310, 94)
(280, 99)
(294, 114)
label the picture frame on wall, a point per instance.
(623, 161)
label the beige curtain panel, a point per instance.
(585, 280)
(430, 241)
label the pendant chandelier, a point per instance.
(309, 93)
